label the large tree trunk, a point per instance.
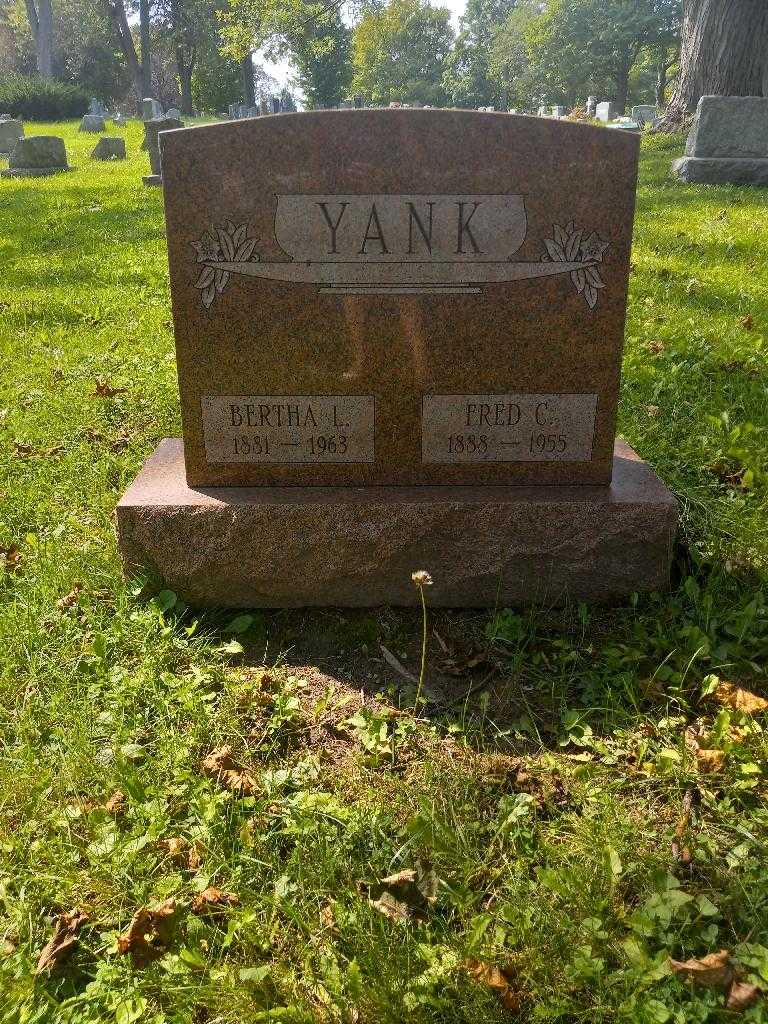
(724, 52)
(115, 11)
(41, 25)
(622, 87)
(146, 61)
(184, 69)
(249, 90)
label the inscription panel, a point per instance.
(507, 428)
(288, 428)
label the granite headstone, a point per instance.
(37, 156)
(10, 133)
(605, 111)
(728, 142)
(387, 358)
(109, 148)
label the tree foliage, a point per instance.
(572, 48)
(313, 34)
(468, 80)
(400, 53)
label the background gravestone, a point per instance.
(152, 130)
(37, 156)
(645, 113)
(728, 142)
(150, 109)
(92, 123)
(374, 341)
(605, 111)
(109, 148)
(10, 133)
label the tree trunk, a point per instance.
(41, 25)
(724, 52)
(146, 61)
(184, 70)
(249, 91)
(622, 85)
(115, 11)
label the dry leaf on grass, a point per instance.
(680, 852)
(712, 971)
(104, 390)
(148, 934)
(739, 699)
(748, 323)
(71, 598)
(742, 996)
(181, 852)
(220, 766)
(328, 918)
(406, 895)
(710, 760)
(22, 450)
(11, 558)
(213, 900)
(116, 803)
(64, 938)
(498, 980)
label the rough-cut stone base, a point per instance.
(32, 172)
(152, 179)
(280, 547)
(697, 170)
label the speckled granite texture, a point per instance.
(291, 547)
(265, 304)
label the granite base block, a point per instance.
(698, 170)
(280, 547)
(152, 179)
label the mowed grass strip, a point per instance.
(577, 805)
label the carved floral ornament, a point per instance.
(400, 245)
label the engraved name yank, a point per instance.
(363, 244)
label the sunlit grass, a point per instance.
(547, 791)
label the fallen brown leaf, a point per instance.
(71, 598)
(61, 943)
(328, 918)
(104, 390)
(22, 449)
(742, 996)
(213, 900)
(116, 803)
(220, 765)
(748, 323)
(496, 979)
(11, 558)
(680, 852)
(712, 971)
(407, 895)
(738, 699)
(148, 934)
(653, 411)
(181, 852)
(395, 909)
(710, 760)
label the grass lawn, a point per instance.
(578, 797)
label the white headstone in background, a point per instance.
(605, 111)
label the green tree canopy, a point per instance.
(400, 53)
(468, 81)
(569, 48)
(313, 34)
